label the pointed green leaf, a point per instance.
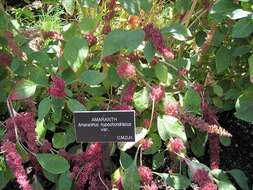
(44, 108)
(240, 178)
(161, 72)
(192, 101)
(131, 178)
(178, 31)
(169, 126)
(91, 77)
(243, 28)
(24, 89)
(244, 106)
(141, 99)
(64, 182)
(75, 105)
(53, 163)
(122, 39)
(75, 51)
(69, 6)
(223, 59)
(59, 140)
(131, 6)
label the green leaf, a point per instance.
(250, 60)
(244, 105)
(38, 75)
(155, 146)
(71, 135)
(240, 178)
(131, 6)
(64, 182)
(51, 177)
(96, 90)
(225, 185)
(179, 181)
(176, 181)
(68, 75)
(182, 6)
(122, 39)
(141, 99)
(125, 160)
(218, 102)
(198, 144)
(223, 59)
(217, 89)
(192, 101)
(200, 38)
(36, 184)
(131, 178)
(243, 28)
(222, 180)
(222, 8)
(3, 21)
(24, 89)
(89, 3)
(113, 78)
(178, 31)
(158, 160)
(88, 24)
(169, 126)
(239, 13)
(59, 140)
(44, 108)
(225, 141)
(232, 94)
(220, 175)
(69, 6)
(91, 77)
(75, 51)
(70, 31)
(40, 129)
(146, 5)
(53, 163)
(161, 72)
(75, 105)
(149, 51)
(3, 179)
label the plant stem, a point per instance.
(188, 15)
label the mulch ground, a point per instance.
(240, 153)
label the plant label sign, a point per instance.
(105, 126)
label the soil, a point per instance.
(240, 153)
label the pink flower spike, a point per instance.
(58, 88)
(128, 92)
(167, 53)
(126, 70)
(172, 108)
(5, 59)
(176, 145)
(14, 161)
(145, 175)
(146, 143)
(201, 176)
(157, 93)
(153, 186)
